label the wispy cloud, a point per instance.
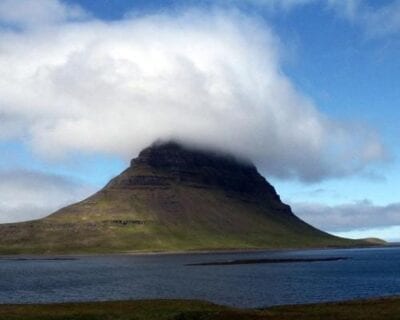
(272, 5)
(28, 13)
(377, 18)
(349, 216)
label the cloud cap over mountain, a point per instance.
(212, 79)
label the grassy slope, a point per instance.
(386, 309)
(176, 218)
(200, 220)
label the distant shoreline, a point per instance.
(71, 256)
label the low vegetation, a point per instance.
(387, 308)
(172, 199)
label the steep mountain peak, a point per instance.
(173, 155)
(168, 163)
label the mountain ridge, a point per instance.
(172, 198)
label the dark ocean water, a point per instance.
(366, 273)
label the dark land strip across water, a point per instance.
(211, 263)
(259, 261)
(37, 259)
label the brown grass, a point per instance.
(374, 309)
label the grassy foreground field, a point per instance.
(387, 309)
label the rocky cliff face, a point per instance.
(168, 165)
(203, 169)
(197, 168)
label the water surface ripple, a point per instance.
(364, 273)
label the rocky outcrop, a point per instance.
(171, 163)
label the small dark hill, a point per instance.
(172, 198)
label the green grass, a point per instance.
(204, 220)
(378, 309)
(50, 239)
(177, 218)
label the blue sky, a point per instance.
(333, 63)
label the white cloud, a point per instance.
(27, 195)
(348, 217)
(209, 78)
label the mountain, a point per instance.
(172, 198)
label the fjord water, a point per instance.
(366, 273)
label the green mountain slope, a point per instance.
(172, 198)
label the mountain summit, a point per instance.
(172, 198)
